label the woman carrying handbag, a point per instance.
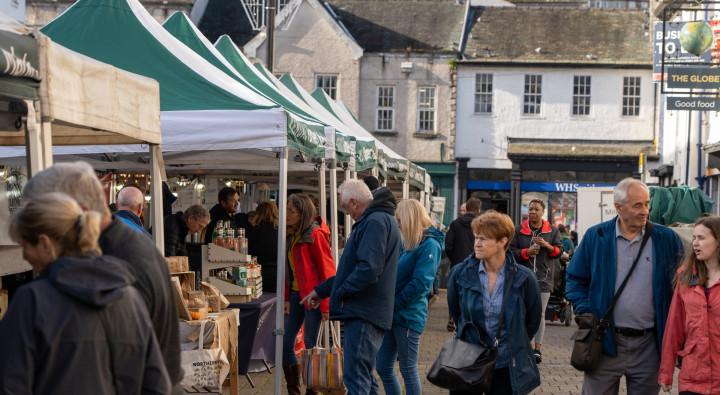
(496, 304)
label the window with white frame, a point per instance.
(532, 99)
(483, 93)
(631, 97)
(328, 83)
(426, 109)
(581, 95)
(385, 108)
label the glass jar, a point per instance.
(197, 305)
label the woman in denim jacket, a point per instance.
(476, 289)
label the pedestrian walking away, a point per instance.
(130, 206)
(459, 240)
(79, 327)
(262, 235)
(309, 263)
(691, 333)
(136, 252)
(418, 263)
(602, 261)
(538, 246)
(362, 294)
(476, 290)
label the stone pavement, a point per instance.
(557, 376)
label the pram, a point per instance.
(558, 308)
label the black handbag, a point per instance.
(462, 365)
(587, 340)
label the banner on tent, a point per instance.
(309, 139)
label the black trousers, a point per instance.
(689, 393)
(500, 385)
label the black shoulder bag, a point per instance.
(587, 347)
(468, 366)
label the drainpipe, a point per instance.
(700, 177)
(687, 149)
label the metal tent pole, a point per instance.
(156, 215)
(279, 310)
(323, 191)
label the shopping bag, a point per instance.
(204, 367)
(322, 366)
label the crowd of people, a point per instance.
(100, 316)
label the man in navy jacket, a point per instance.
(600, 264)
(362, 293)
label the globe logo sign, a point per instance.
(696, 37)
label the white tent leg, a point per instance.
(348, 219)
(279, 308)
(156, 215)
(375, 172)
(406, 188)
(33, 141)
(334, 213)
(323, 191)
(46, 137)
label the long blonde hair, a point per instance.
(60, 218)
(413, 220)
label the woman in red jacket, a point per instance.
(693, 326)
(309, 263)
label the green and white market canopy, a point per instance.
(202, 108)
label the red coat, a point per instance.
(693, 333)
(313, 262)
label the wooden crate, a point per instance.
(3, 302)
(177, 264)
(187, 280)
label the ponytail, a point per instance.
(61, 218)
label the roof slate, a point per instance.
(560, 35)
(226, 17)
(398, 25)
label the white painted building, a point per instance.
(549, 99)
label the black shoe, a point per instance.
(450, 326)
(538, 356)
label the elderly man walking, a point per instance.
(130, 205)
(599, 266)
(362, 293)
(144, 261)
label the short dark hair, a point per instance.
(225, 194)
(372, 182)
(473, 205)
(538, 201)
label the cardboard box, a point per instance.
(177, 264)
(187, 280)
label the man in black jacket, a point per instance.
(460, 240)
(224, 210)
(178, 225)
(144, 261)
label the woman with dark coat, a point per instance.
(262, 235)
(538, 246)
(79, 327)
(476, 290)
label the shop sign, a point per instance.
(673, 50)
(533, 186)
(693, 103)
(693, 78)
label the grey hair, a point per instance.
(78, 180)
(197, 211)
(355, 189)
(130, 197)
(620, 193)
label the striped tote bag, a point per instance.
(322, 365)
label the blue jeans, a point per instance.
(405, 344)
(293, 322)
(361, 342)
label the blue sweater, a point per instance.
(415, 275)
(593, 268)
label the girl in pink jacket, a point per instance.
(692, 333)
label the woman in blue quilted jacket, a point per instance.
(418, 263)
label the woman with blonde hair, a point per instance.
(417, 266)
(691, 330)
(79, 327)
(262, 235)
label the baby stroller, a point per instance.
(558, 308)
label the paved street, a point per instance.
(558, 377)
